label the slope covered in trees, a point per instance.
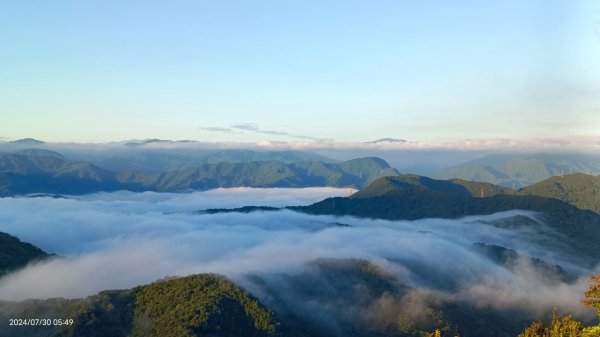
(413, 197)
(15, 254)
(578, 189)
(198, 305)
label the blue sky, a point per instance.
(96, 71)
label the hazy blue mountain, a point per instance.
(352, 173)
(15, 254)
(386, 140)
(43, 171)
(157, 160)
(147, 141)
(27, 142)
(522, 169)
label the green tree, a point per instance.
(592, 295)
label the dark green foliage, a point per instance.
(580, 190)
(15, 254)
(110, 313)
(409, 183)
(198, 305)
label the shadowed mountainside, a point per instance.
(15, 254)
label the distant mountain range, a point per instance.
(43, 171)
(520, 170)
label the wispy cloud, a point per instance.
(253, 127)
(216, 129)
(246, 126)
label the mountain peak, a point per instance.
(386, 140)
(27, 141)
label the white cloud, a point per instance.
(123, 239)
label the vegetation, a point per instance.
(198, 305)
(567, 326)
(580, 190)
(412, 197)
(15, 254)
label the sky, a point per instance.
(351, 71)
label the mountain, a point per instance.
(412, 197)
(158, 160)
(15, 254)
(43, 171)
(511, 260)
(409, 183)
(147, 141)
(206, 305)
(580, 190)
(518, 170)
(330, 297)
(386, 140)
(27, 141)
(352, 173)
(354, 297)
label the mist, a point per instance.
(124, 239)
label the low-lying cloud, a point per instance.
(123, 239)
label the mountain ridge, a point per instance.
(44, 171)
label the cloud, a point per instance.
(246, 126)
(217, 129)
(253, 127)
(122, 239)
(578, 144)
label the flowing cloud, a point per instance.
(254, 128)
(590, 144)
(217, 129)
(572, 144)
(122, 239)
